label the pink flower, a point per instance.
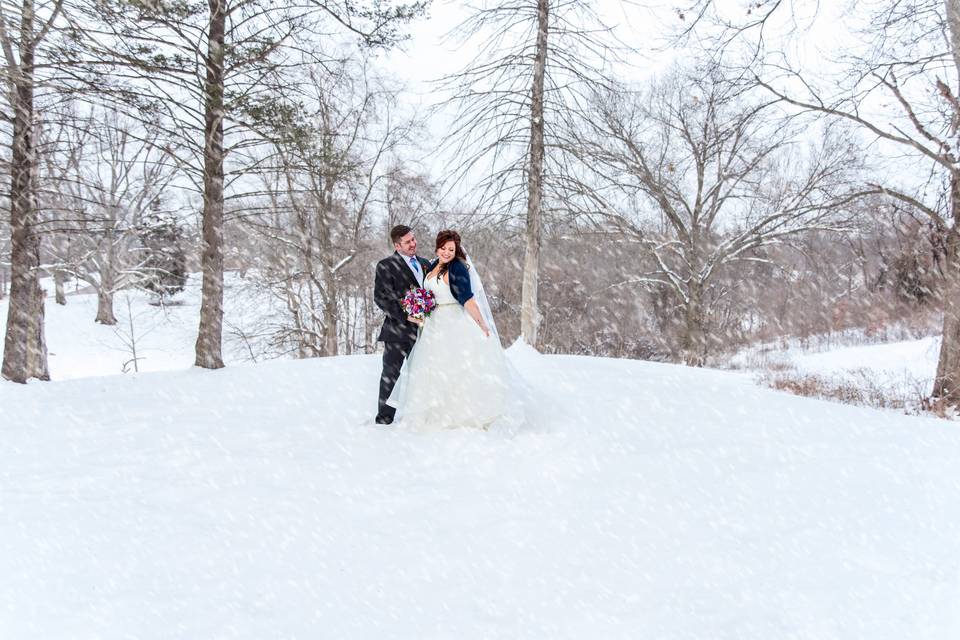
(418, 302)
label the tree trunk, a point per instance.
(209, 337)
(105, 290)
(105, 306)
(60, 295)
(953, 27)
(694, 338)
(946, 385)
(369, 325)
(330, 343)
(24, 348)
(330, 311)
(529, 311)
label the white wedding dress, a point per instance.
(455, 376)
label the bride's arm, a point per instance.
(459, 280)
(474, 311)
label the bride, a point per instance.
(456, 375)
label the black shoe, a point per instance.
(384, 421)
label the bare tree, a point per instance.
(912, 63)
(529, 312)
(23, 29)
(329, 166)
(101, 180)
(539, 60)
(702, 178)
(410, 198)
(212, 72)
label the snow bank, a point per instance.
(643, 500)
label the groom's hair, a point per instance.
(398, 232)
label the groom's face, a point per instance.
(407, 245)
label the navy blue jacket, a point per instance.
(459, 280)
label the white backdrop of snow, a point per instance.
(643, 500)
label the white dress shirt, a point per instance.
(417, 271)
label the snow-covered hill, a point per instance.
(642, 501)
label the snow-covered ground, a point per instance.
(164, 337)
(894, 363)
(642, 500)
(901, 372)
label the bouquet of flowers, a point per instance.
(418, 303)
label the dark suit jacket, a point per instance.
(394, 278)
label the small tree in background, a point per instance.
(165, 261)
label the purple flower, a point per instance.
(418, 302)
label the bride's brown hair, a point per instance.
(443, 238)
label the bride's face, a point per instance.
(447, 251)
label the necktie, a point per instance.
(416, 265)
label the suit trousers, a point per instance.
(394, 353)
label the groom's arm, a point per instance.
(384, 293)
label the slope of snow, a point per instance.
(642, 501)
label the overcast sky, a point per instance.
(811, 31)
(813, 36)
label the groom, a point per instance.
(395, 276)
